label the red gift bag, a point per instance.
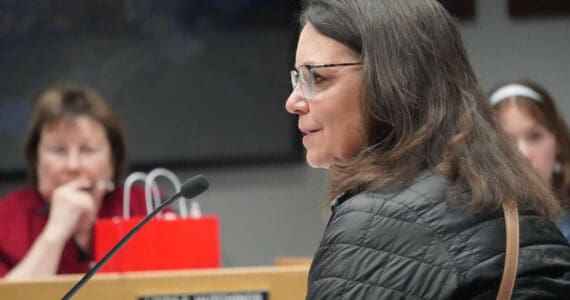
(162, 244)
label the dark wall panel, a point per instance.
(194, 81)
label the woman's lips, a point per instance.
(308, 134)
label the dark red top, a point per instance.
(24, 213)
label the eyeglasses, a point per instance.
(305, 76)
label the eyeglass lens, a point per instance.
(303, 77)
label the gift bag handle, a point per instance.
(129, 181)
(150, 181)
(512, 249)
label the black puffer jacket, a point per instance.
(411, 244)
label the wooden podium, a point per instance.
(271, 282)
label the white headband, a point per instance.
(512, 90)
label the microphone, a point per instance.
(189, 189)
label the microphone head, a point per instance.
(194, 186)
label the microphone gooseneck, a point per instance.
(189, 189)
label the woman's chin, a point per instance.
(317, 162)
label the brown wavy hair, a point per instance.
(423, 106)
(546, 113)
(68, 101)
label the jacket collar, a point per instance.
(340, 199)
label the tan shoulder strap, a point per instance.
(512, 252)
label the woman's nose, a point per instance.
(296, 103)
(524, 149)
(73, 160)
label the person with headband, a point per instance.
(528, 116)
(388, 103)
(75, 150)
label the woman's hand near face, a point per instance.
(73, 210)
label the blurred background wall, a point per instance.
(272, 207)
